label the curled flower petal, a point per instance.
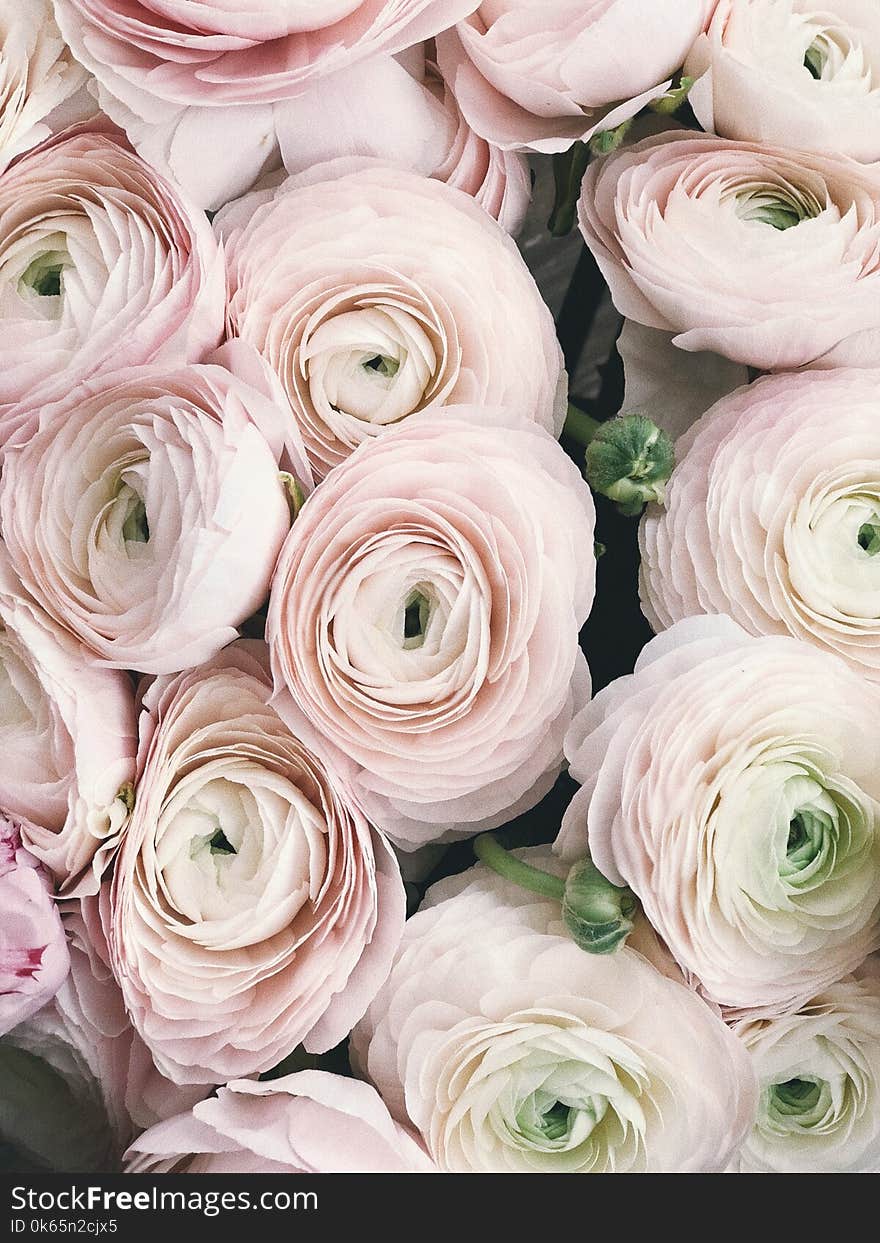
(77, 1083)
(542, 76)
(310, 1122)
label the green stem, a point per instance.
(579, 426)
(568, 173)
(494, 855)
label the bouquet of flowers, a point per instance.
(370, 370)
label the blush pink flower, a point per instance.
(76, 1082)
(103, 264)
(402, 110)
(147, 512)
(793, 73)
(732, 782)
(191, 83)
(424, 620)
(514, 1051)
(544, 75)
(373, 293)
(33, 949)
(766, 256)
(772, 515)
(310, 1122)
(253, 907)
(38, 76)
(67, 737)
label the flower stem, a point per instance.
(580, 426)
(493, 854)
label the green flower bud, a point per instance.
(629, 460)
(608, 140)
(294, 493)
(670, 103)
(598, 916)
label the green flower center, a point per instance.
(382, 364)
(814, 60)
(221, 845)
(416, 616)
(543, 1120)
(43, 276)
(808, 834)
(796, 1096)
(801, 1105)
(135, 528)
(780, 207)
(216, 843)
(869, 538)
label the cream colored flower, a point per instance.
(514, 1051)
(733, 782)
(819, 1076)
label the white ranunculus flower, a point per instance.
(797, 73)
(733, 782)
(514, 1051)
(773, 520)
(38, 75)
(819, 1076)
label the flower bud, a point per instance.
(629, 461)
(598, 916)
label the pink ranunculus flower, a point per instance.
(373, 293)
(767, 256)
(792, 73)
(253, 907)
(542, 75)
(147, 513)
(38, 77)
(772, 515)
(424, 620)
(733, 782)
(33, 948)
(819, 1075)
(103, 264)
(67, 738)
(310, 1122)
(77, 1083)
(512, 1050)
(191, 83)
(402, 110)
